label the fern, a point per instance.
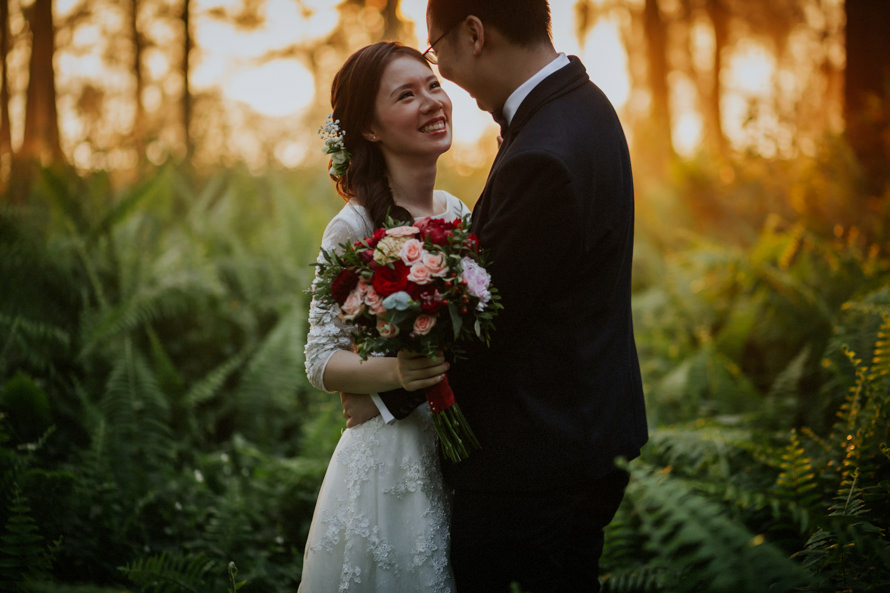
(797, 489)
(173, 573)
(644, 579)
(23, 553)
(136, 419)
(699, 548)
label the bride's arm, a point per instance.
(330, 363)
(347, 372)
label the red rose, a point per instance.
(388, 280)
(436, 230)
(429, 298)
(374, 239)
(343, 285)
(472, 243)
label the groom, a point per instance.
(558, 395)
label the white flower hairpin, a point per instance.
(335, 146)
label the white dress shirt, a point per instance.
(511, 106)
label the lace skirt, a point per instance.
(381, 519)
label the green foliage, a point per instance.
(156, 426)
(168, 573)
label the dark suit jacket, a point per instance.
(558, 395)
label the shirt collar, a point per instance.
(511, 106)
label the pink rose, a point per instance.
(477, 280)
(402, 231)
(353, 305)
(374, 301)
(420, 274)
(387, 329)
(423, 324)
(411, 252)
(436, 263)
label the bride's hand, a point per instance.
(416, 371)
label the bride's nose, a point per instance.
(430, 104)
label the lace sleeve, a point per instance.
(327, 334)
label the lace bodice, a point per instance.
(327, 334)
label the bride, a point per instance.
(381, 519)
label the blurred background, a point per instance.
(162, 197)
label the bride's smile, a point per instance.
(412, 115)
(437, 126)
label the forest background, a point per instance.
(163, 197)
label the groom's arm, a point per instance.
(532, 225)
(358, 408)
(393, 405)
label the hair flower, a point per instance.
(335, 146)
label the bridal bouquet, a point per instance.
(422, 288)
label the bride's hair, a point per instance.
(353, 96)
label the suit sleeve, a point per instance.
(532, 229)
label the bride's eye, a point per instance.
(405, 95)
(436, 85)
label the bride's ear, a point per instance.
(370, 136)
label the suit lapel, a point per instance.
(557, 84)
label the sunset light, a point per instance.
(262, 69)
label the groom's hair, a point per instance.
(523, 22)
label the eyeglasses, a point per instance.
(430, 54)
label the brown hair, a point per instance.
(353, 95)
(524, 22)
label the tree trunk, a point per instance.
(138, 132)
(656, 45)
(719, 16)
(867, 87)
(392, 25)
(41, 139)
(5, 131)
(186, 90)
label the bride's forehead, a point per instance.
(405, 69)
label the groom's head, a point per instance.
(482, 45)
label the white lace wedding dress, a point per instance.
(381, 520)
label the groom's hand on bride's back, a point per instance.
(358, 408)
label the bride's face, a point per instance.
(412, 115)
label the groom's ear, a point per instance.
(475, 29)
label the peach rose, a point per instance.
(374, 301)
(402, 231)
(436, 263)
(420, 274)
(423, 324)
(353, 305)
(411, 252)
(387, 329)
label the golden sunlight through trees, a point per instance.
(112, 85)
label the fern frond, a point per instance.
(704, 549)
(797, 487)
(26, 341)
(172, 573)
(23, 552)
(136, 417)
(272, 374)
(643, 579)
